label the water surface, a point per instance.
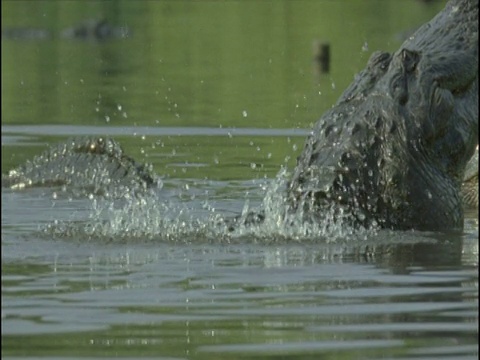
(218, 97)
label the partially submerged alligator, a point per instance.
(90, 29)
(393, 150)
(90, 165)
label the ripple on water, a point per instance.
(155, 216)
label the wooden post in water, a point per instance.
(321, 57)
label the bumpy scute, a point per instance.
(95, 165)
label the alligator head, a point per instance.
(394, 148)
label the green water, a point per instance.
(218, 96)
(208, 64)
(193, 63)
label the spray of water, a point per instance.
(152, 217)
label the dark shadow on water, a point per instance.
(400, 258)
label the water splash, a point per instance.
(282, 224)
(154, 217)
(138, 218)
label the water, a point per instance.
(219, 114)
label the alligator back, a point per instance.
(94, 165)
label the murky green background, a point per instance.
(217, 95)
(190, 63)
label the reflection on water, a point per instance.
(241, 300)
(218, 108)
(399, 294)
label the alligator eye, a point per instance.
(410, 60)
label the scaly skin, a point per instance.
(95, 165)
(393, 150)
(470, 183)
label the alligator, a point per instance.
(96, 30)
(393, 151)
(470, 183)
(90, 29)
(97, 166)
(394, 148)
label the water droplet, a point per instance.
(429, 194)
